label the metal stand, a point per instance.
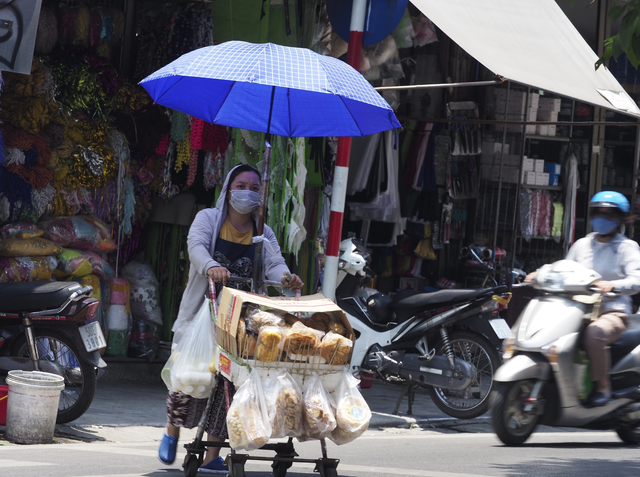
(409, 390)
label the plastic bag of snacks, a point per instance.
(26, 269)
(319, 414)
(352, 411)
(293, 407)
(84, 232)
(21, 230)
(189, 368)
(28, 247)
(247, 420)
(274, 399)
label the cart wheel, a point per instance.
(237, 470)
(280, 468)
(330, 472)
(191, 466)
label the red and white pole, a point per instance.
(341, 171)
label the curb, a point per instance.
(381, 420)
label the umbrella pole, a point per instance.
(341, 170)
(258, 260)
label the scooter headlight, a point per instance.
(508, 347)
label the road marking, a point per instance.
(21, 463)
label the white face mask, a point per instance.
(244, 201)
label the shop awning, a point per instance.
(531, 42)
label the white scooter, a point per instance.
(545, 379)
(447, 341)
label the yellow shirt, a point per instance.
(230, 234)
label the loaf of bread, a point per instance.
(269, 343)
(302, 340)
(335, 348)
(259, 318)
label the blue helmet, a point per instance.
(612, 199)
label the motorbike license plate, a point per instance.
(500, 327)
(92, 336)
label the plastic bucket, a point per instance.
(32, 406)
(4, 390)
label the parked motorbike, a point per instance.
(447, 341)
(545, 379)
(43, 327)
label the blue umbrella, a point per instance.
(270, 88)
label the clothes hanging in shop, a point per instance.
(385, 206)
(572, 184)
(361, 164)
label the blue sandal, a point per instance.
(216, 466)
(167, 450)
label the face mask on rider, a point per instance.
(244, 201)
(603, 226)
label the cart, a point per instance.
(285, 454)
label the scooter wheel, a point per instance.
(629, 436)
(512, 422)
(483, 356)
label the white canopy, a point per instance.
(531, 42)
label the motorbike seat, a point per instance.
(35, 296)
(629, 340)
(408, 303)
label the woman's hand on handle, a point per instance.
(292, 281)
(219, 274)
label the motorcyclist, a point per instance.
(617, 259)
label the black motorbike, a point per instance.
(447, 341)
(46, 326)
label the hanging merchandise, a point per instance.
(463, 181)
(385, 206)
(296, 233)
(445, 230)
(424, 248)
(572, 184)
(466, 137)
(558, 218)
(425, 31)
(118, 318)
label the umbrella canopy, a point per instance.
(270, 88)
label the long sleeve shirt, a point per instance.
(617, 261)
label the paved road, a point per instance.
(467, 449)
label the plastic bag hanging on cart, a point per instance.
(319, 410)
(248, 417)
(352, 411)
(187, 369)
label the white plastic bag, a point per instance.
(189, 362)
(283, 398)
(352, 411)
(319, 414)
(248, 418)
